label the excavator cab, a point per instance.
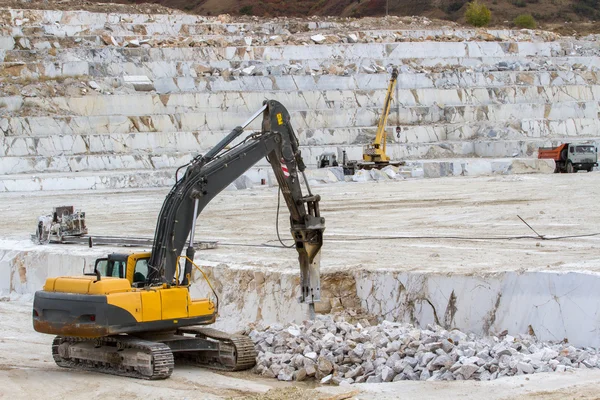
(133, 267)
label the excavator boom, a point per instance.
(208, 175)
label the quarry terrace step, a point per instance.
(529, 118)
(349, 52)
(184, 34)
(164, 158)
(91, 163)
(407, 79)
(497, 138)
(384, 293)
(33, 69)
(79, 87)
(306, 99)
(19, 18)
(543, 120)
(47, 37)
(415, 106)
(83, 18)
(133, 179)
(185, 141)
(96, 180)
(25, 22)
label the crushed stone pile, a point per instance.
(334, 351)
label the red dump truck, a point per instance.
(571, 157)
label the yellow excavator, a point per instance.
(134, 315)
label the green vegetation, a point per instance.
(477, 14)
(525, 21)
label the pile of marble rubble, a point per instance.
(334, 351)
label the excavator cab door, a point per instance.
(113, 265)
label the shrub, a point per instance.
(519, 3)
(246, 10)
(478, 14)
(525, 21)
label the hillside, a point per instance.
(564, 16)
(567, 17)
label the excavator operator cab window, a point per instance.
(141, 270)
(110, 268)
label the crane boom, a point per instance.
(376, 152)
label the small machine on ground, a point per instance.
(571, 157)
(62, 223)
(134, 314)
(327, 160)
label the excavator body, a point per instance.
(105, 323)
(134, 314)
(89, 307)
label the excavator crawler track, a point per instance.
(236, 352)
(114, 355)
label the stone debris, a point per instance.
(318, 38)
(334, 351)
(94, 85)
(140, 83)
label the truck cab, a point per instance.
(582, 157)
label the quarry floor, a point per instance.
(455, 225)
(357, 216)
(27, 370)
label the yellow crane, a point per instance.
(375, 152)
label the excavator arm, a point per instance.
(208, 175)
(106, 325)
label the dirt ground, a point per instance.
(454, 225)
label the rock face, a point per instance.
(168, 86)
(332, 350)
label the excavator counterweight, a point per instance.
(133, 315)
